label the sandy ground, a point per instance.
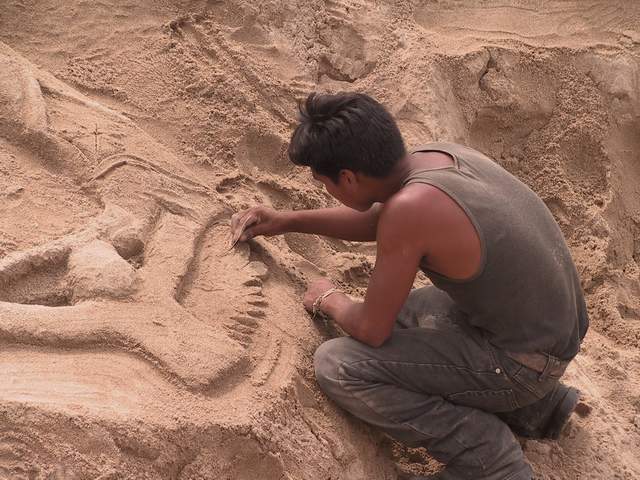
(135, 344)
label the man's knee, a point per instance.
(327, 361)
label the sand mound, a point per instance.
(136, 344)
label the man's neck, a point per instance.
(394, 182)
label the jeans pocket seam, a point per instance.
(523, 384)
(506, 393)
(514, 402)
(492, 354)
(428, 365)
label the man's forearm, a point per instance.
(339, 222)
(349, 315)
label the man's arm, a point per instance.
(339, 222)
(400, 248)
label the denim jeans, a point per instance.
(436, 383)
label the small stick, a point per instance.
(95, 132)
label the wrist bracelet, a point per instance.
(318, 302)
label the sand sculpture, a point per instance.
(135, 344)
(91, 263)
(151, 277)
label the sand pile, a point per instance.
(135, 344)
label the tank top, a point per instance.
(526, 296)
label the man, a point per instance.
(454, 367)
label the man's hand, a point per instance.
(256, 221)
(314, 290)
(337, 222)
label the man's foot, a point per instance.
(545, 418)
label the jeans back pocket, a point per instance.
(527, 383)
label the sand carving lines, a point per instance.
(152, 275)
(214, 51)
(259, 152)
(108, 302)
(23, 114)
(347, 57)
(560, 22)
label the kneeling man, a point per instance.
(458, 366)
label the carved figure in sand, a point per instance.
(153, 273)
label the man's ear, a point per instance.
(348, 177)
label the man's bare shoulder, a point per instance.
(408, 215)
(418, 203)
(423, 218)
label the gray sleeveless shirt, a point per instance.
(526, 296)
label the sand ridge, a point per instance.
(135, 344)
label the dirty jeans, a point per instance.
(436, 383)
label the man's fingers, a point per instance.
(246, 235)
(251, 229)
(237, 220)
(234, 221)
(248, 220)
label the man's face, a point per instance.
(348, 190)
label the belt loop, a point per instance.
(547, 368)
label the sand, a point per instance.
(135, 344)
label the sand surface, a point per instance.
(135, 344)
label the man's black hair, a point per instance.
(346, 131)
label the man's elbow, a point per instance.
(376, 339)
(372, 331)
(377, 342)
